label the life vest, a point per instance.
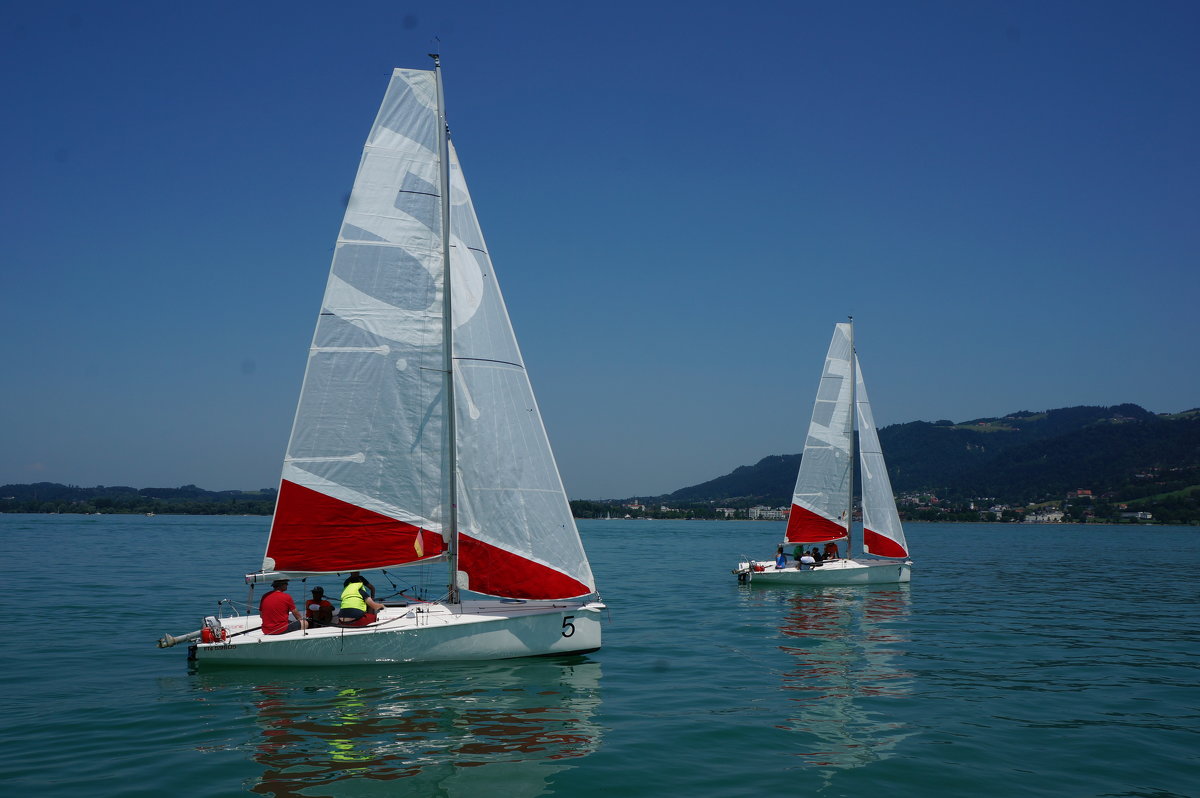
(352, 598)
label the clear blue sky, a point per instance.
(680, 199)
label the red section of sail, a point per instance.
(805, 526)
(316, 532)
(497, 572)
(881, 545)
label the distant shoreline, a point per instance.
(672, 520)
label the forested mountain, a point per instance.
(969, 456)
(1124, 458)
(1122, 455)
(50, 497)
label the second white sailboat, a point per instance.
(823, 502)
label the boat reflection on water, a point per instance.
(498, 729)
(845, 643)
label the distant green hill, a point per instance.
(1122, 454)
(51, 497)
(1126, 458)
(1025, 455)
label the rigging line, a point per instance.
(490, 360)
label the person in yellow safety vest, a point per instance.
(358, 608)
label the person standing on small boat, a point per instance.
(275, 609)
(356, 600)
(780, 559)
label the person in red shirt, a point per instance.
(318, 610)
(275, 608)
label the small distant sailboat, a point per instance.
(417, 439)
(823, 502)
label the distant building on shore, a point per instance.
(764, 513)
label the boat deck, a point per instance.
(419, 632)
(843, 571)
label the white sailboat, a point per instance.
(417, 438)
(823, 502)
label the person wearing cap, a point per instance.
(275, 609)
(318, 610)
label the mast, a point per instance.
(448, 337)
(853, 417)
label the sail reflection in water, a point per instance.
(499, 729)
(845, 642)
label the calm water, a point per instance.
(1020, 661)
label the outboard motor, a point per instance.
(212, 631)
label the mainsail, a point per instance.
(366, 478)
(819, 503)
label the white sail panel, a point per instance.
(366, 456)
(822, 486)
(517, 535)
(883, 535)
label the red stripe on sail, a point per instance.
(805, 526)
(316, 532)
(882, 545)
(497, 572)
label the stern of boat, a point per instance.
(748, 570)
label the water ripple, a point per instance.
(1020, 661)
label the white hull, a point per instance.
(474, 630)
(831, 572)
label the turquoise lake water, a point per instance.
(1021, 660)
